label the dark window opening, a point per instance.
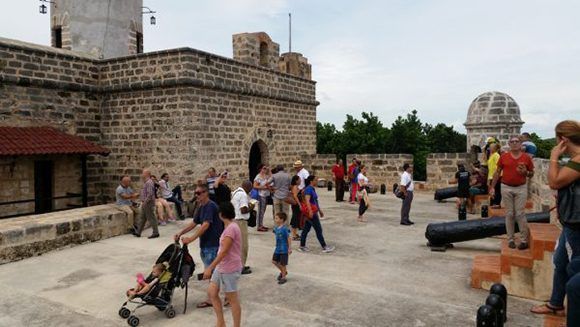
(263, 54)
(43, 175)
(57, 37)
(139, 39)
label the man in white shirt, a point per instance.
(407, 186)
(242, 206)
(171, 195)
(302, 173)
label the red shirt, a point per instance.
(509, 165)
(351, 168)
(338, 171)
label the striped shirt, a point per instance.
(148, 192)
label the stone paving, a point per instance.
(381, 274)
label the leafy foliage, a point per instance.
(406, 135)
(544, 145)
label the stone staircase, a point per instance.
(526, 273)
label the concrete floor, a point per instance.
(381, 274)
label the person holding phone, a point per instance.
(516, 167)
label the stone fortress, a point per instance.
(181, 111)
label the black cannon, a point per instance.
(445, 193)
(383, 188)
(442, 235)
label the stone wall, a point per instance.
(320, 165)
(28, 236)
(18, 182)
(383, 168)
(179, 111)
(441, 168)
(539, 191)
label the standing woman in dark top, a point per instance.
(567, 254)
(296, 214)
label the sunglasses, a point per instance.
(514, 141)
(199, 192)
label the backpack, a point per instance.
(569, 205)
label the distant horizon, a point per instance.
(387, 57)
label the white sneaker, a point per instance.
(328, 249)
(303, 249)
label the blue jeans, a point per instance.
(312, 223)
(208, 255)
(566, 266)
(573, 291)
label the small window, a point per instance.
(263, 54)
(139, 39)
(57, 32)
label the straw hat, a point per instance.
(298, 163)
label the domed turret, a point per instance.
(492, 114)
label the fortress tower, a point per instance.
(492, 114)
(102, 28)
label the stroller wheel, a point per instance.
(133, 321)
(124, 312)
(170, 312)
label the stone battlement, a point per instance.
(33, 235)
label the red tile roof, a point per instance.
(23, 141)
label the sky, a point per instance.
(387, 57)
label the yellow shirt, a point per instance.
(492, 165)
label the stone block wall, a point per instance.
(256, 49)
(179, 111)
(383, 168)
(538, 190)
(320, 165)
(28, 236)
(18, 182)
(441, 168)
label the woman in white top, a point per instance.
(262, 184)
(363, 186)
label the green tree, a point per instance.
(544, 145)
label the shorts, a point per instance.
(280, 258)
(476, 191)
(226, 282)
(208, 255)
(463, 193)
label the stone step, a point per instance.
(486, 268)
(543, 238)
(515, 257)
(554, 321)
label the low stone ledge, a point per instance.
(28, 236)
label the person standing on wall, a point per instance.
(352, 177)
(407, 186)
(147, 206)
(528, 146)
(492, 167)
(338, 176)
(516, 167)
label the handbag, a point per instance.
(305, 212)
(569, 205)
(252, 219)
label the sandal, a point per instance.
(547, 309)
(204, 304)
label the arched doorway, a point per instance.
(258, 156)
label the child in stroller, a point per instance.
(172, 269)
(144, 285)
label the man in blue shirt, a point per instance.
(527, 145)
(211, 228)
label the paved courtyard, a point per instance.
(381, 274)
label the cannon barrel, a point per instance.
(440, 234)
(445, 193)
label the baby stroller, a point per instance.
(180, 268)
